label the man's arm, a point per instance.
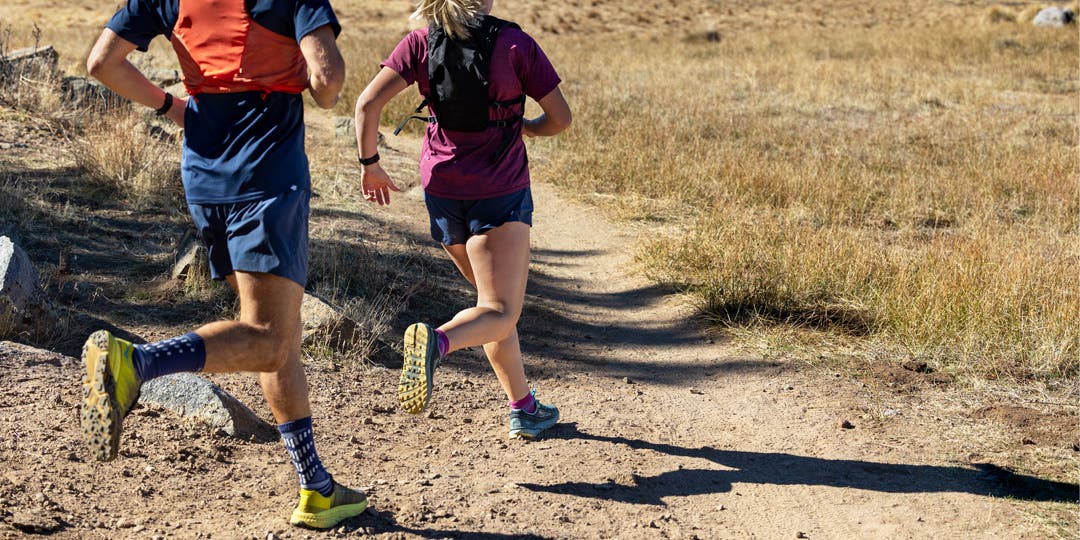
(108, 63)
(325, 64)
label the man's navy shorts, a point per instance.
(269, 235)
(454, 221)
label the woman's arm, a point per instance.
(108, 63)
(376, 184)
(556, 117)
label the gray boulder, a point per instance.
(192, 259)
(344, 127)
(36, 60)
(24, 308)
(1054, 17)
(80, 92)
(323, 324)
(12, 354)
(163, 77)
(195, 398)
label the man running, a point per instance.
(246, 64)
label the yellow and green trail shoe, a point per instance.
(110, 390)
(319, 512)
(421, 359)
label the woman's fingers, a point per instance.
(379, 195)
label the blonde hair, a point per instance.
(454, 16)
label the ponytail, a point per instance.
(454, 16)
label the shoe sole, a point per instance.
(328, 518)
(414, 386)
(100, 415)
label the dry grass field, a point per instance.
(836, 295)
(914, 186)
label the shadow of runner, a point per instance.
(787, 469)
(374, 521)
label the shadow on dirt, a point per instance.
(383, 522)
(787, 469)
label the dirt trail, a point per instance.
(667, 431)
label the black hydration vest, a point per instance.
(458, 71)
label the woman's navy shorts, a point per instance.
(269, 235)
(454, 221)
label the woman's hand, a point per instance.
(528, 127)
(176, 112)
(376, 184)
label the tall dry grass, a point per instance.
(32, 86)
(129, 157)
(915, 188)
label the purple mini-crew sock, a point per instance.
(527, 404)
(443, 342)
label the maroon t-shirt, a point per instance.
(459, 165)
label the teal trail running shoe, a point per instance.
(527, 426)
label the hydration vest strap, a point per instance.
(491, 123)
(520, 100)
(419, 108)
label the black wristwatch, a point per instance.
(369, 160)
(166, 106)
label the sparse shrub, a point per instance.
(367, 287)
(372, 317)
(127, 156)
(998, 15)
(31, 85)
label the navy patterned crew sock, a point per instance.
(173, 355)
(300, 443)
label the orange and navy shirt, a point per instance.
(241, 62)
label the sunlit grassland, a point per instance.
(916, 189)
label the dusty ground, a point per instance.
(669, 429)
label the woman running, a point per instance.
(474, 71)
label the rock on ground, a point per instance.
(24, 355)
(1054, 17)
(191, 258)
(24, 307)
(83, 92)
(193, 397)
(32, 60)
(325, 324)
